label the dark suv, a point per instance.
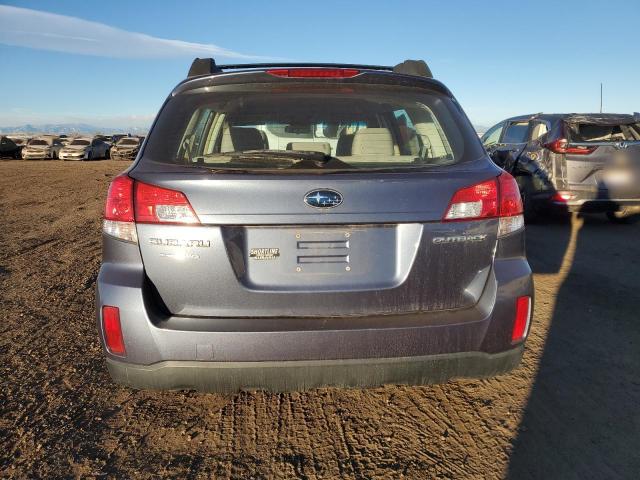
(293, 226)
(571, 162)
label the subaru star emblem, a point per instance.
(323, 198)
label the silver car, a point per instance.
(294, 226)
(40, 148)
(85, 149)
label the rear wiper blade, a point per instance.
(299, 158)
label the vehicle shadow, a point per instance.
(582, 419)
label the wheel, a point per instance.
(623, 216)
(531, 214)
(107, 153)
(54, 156)
(89, 156)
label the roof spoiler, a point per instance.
(207, 66)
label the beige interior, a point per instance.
(433, 141)
(372, 141)
(323, 147)
(538, 130)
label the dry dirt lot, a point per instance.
(572, 410)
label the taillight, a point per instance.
(129, 201)
(112, 330)
(522, 320)
(563, 197)
(314, 72)
(498, 197)
(561, 145)
(118, 211)
(161, 205)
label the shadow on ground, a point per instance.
(582, 419)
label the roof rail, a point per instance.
(207, 66)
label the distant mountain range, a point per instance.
(70, 128)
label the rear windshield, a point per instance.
(128, 141)
(80, 142)
(264, 126)
(585, 132)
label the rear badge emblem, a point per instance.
(459, 239)
(264, 253)
(323, 198)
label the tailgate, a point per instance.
(293, 260)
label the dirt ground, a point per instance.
(572, 410)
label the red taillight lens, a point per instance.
(561, 145)
(154, 204)
(112, 330)
(498, 197)
(523, 317)
(314, 72)
(510, 199)
(474, 202)
(119, 206)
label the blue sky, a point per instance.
(499, 58)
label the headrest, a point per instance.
(372, 141)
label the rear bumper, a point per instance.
(229, 377)
(601, 205)
(123, 156)
(287, 353)
(68, 157)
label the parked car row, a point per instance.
(125, 147)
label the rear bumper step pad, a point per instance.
(283, 376)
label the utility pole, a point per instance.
(600, 97)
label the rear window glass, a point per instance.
(38, 142)
(80, 142)
(516, 133)
(128, 141)
(358, 127)
(585, 132)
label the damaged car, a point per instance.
(586, 163)
(9, 148)
(40, 148)
(85, 149)
(126, 148)
(21, 141)
(292, 226)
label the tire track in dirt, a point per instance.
(60, 416)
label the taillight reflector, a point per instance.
(155, 204)
(522, 320)
(112, 330)
(561, 145)
(314, 72)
